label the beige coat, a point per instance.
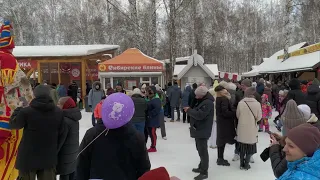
(247, 131)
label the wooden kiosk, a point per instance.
(63, 64)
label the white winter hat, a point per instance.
(136, 91)
(201, 91)
(158, 87)
(305, 110)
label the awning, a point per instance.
(132, 60)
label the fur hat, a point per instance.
(231, 86)
(6, 38)
(250, 92)
(136, 91)
(201, 91)
(224, 84)
(306, 137)
(158, 87)
(305, 110)
(292, 116)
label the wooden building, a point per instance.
(63, 64)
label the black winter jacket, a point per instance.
(313, 99)
(295, 93)
(121, 154)
(225, 121)
(43, 134)
(201, 117)
(68, 153)
(192, 99)
(140, 106)
(278, 160)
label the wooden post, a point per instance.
(91, 78)
(59, 75)
(30, 72)
(83, 80)
(39, 71)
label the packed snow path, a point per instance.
(179, 155)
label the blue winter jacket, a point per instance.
(185, 96)
(306, 168)
(154, 108)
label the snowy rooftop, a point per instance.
(179, 59)
(64, 50)
(212, 67)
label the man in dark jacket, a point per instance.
(185, 102)
(260, 86)
(175, 96)
(169, 89)
(295, 92)
(73, 91)
(43, 136)
(140, 106)
(120, 155)
(200, 127)
(68, 153)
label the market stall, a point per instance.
(63, 64)
(131, 68)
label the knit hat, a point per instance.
(224, 84)
(136, 91)
(306, 137)
(305, 110)
(201, 91)
(250, 92)
(246, 82)
(41, 91)
(156, 174)
(67, 103)
(6, 38)
(292, 116)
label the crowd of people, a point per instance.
(226, 113)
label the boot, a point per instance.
(201, 176)
(196, 170)
(222, 162)
(246, 163)
(242, 161)
(152, 150)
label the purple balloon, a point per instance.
(117, 110)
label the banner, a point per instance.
(27, 64)
(92, 71)
(75, 72)
(130, 68)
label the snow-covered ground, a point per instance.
(179, 155)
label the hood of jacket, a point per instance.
(294, 84)
(175, 88)
(188, 89)
(73, 114)
(207, 96)
(246, 99)
(313, 89)
(137, 96)
(94, 86)
(306, 165)
(43, 103)
(312, 119)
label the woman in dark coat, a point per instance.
(295, 92)
(68, 153)
(313, 99)
(225, 123)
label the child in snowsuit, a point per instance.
(266, 113)
(98, 109)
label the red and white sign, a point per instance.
(27, 64)
(130, 68)
(91, 71)
(230, 76)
